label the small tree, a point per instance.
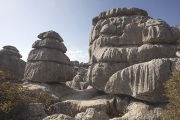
(172, 89)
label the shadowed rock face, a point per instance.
(47, 62)
(10, 61)
(124, 37)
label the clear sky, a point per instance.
(22, 20)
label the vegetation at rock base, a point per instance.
(14, 99)
(172, 89)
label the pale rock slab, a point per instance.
(143, 81)
(92, 114)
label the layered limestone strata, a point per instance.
(10, 61)
(47, 61)
(123, 37)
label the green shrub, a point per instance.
(14, 98)
(172, 89)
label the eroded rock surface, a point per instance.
(122, 42)
(47, 62)
(10, 61)
(92, 114)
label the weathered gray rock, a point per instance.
(50, 43)
(130, 54)
(48, 55)
(108, 29)
(36, 111)
(58, 117)
(12, 48)
(157, 31)
(41, 71)
(10, 61)
(72, 107)
(176, 32)
(155, 22)
(127, 36)
(47, 62)
(99, 73)
(10, 52)
(75, 83)
(79, 81)
(50, 34)
(142, 81)
(119, 12)
(142, 111)
(84, 85)
(92, 114)
(55, 90)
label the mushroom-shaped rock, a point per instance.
(10, 61)
(47, 62)
(50, 34)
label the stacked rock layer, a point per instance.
(10, 61)
(122, 44)
(47, 62)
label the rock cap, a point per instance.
(10, 50)
(119, 12)
(50, 34)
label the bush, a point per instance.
(14, 99)
(172, 89)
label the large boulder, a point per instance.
(10, 61)
(47, 62)
(124, 39)
(143, 81)
(92, 114)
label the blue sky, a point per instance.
(22, 20)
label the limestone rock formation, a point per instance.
(79, 82)
(121, 42)
(92, 114)
(10, 61)
(47, 62)
(143, 81)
